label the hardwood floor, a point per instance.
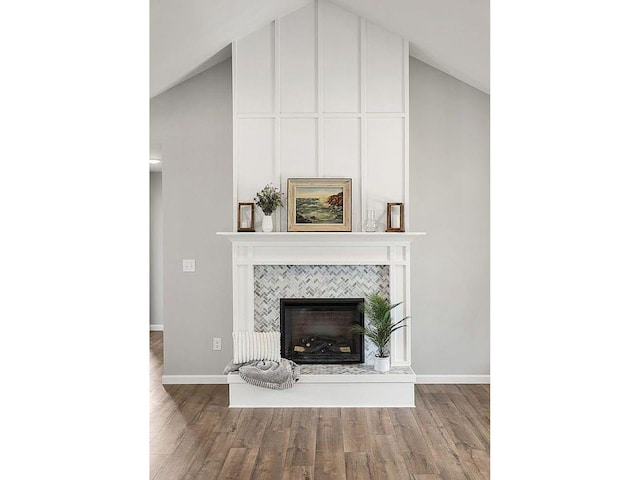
(195, 436)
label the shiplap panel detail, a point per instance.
(385, 163)
(298, 153)
(298, 147)
(331, 90)
(298, 63)
(341, 59)
(255, 72)
(342, 157)
(256, 159)
(385, 70)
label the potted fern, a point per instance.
(380, 327)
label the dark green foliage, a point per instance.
(378, 311)
(268, 199)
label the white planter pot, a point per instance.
(267, 223)
(382, 364)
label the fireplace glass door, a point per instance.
(319, 330)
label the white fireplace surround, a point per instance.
(284, 248)
(354, 248)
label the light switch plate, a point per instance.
(189, 265)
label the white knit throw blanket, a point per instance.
(267, 373)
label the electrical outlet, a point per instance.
(217, 344)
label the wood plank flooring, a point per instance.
(195, 436)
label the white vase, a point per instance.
(382, 364)
(267, 223)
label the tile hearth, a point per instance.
(359, 369)
(350, 370)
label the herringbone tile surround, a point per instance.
(272, 282)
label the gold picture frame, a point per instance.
(319, 204)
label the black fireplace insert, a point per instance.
(319, 330)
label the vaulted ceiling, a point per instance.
(189, 36)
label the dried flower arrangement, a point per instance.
(269, 198)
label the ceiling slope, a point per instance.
(450, 35)
(189, 36)
(186, 34)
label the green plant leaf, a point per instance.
(380, 325)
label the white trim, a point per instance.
(407, 300)
(307, 115)
(454, 379)
(319, 14)
(364, 188)
(314, 261)
(194, 379)
(154, 327)
(420, 379)
(342, 115)
(322, 238)
(277, 108)
(234, 132)
(263, 115)
(405, 126)
(386, 115)
(320, 149)
(320, 88)
(276, 67)
(344, 378)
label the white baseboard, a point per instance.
(452, 379)
(429, 379)
(193, 379)
(156, 328)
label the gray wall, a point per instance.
(192, 123)
(449, 187)
(155, 248)
(449, 198)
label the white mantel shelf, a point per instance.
(301, 237)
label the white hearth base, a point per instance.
(329, 391)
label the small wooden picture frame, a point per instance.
(395, 217)
(246, 217)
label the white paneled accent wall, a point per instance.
(322, 93)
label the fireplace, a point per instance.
(318, 330)
(268, 267)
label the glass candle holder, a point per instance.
(371, 223)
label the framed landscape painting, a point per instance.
(319, 204)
